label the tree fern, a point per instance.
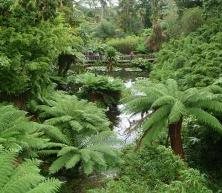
(23, 178)
(170, 105)
(83, 130)
(68, 111)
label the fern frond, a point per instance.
(73, 161)
(151, 134)
(177, 111)
(214, 106)
(98, 158)
(172, 86)
(164, 100)
(139, 104)
(56, 120)
(206, 118)
(55, 134)
(18, 133)
(88, 167)
(66, 150)
(106, 138)
(60, 163)
(6, 166)
(156, 116)
(24, 178)
(48, 186)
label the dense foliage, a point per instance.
(23, 177)
(194, 60)
(97, 88)
(31, 38)
(48, 49)
(82, 129)
(156, 170)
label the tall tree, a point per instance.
(129, 18)
(145, 12)
(102, 4)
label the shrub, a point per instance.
(111, 52)
(104, 30)
(203, 149)
(155, 170)
(190, 181)
(29, 45)
(212, 8)
(125, 45)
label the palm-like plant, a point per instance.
(169, 105)
(23, 178)
(83, 129)
(72, 114)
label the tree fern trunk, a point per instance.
(176, 139)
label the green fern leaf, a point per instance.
(156, 116)
(165, 100)
(73, 161)
(48, 186)
(60, 163)
(177, 112)
(206, 118)
(66, 150)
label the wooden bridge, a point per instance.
(92, 59)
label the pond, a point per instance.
(126, 74)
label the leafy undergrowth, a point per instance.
(155, 170)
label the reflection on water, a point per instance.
(123, 128)
(125, 74)
(126, 122)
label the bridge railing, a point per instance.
(98, 57)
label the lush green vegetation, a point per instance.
(62, 91)
(23, 177)
(169, 106)
(193, 60)
(155, 169)
(96, 88)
